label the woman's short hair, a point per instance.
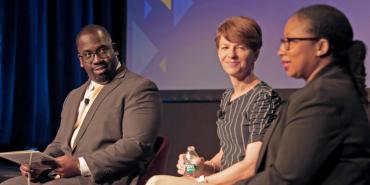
(240, 29)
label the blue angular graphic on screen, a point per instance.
(147, 9)
(173, 43)
(180, 7)
(143, 50)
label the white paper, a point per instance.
(33, 158)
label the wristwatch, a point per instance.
(202, 179)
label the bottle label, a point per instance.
(190, 168)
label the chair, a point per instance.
(157, 165)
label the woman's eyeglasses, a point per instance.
(287, 40)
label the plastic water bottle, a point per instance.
(191, 167)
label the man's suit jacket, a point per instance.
(118, 131)
(321, 136)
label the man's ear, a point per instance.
(81, 62)
(115, 50)
(323, 47)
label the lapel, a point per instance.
(270, 131)
(98, 100)
(71, 120)
(327, 70)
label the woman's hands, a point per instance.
(198, 161)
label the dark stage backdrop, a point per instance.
(39, 64)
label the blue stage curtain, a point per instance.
(39, 64)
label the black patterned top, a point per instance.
(244, 120)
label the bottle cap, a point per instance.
(191, 148)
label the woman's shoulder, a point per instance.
(326, 88)
(265, 90)
(227, 93)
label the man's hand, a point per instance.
(26, 171)
(68, 166)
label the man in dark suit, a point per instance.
(108, 125)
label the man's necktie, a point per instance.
(84, 107)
